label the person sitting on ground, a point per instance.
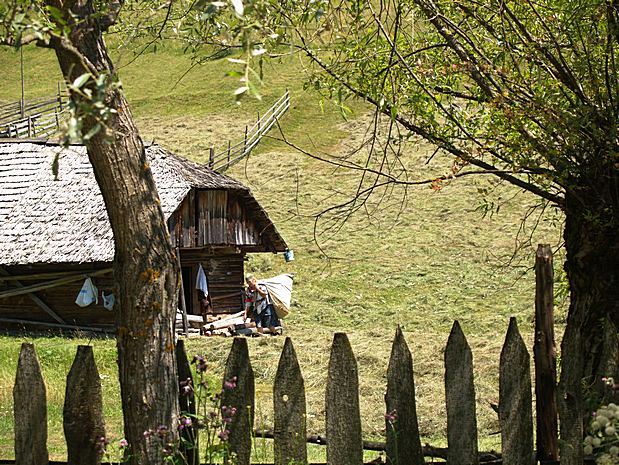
(263, 311)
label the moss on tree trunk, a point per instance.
(145, 268)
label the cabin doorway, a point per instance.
(187, 275)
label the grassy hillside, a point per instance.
(419, 259)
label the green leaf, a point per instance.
(55, 166)
(81, 80)
(93, 132)
(254, 90)
(239, 9)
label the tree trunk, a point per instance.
(590, 346)
(145, 268)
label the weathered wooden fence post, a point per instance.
(30, 410)
(403, 442)
(290, 429)
(460, 400)
(187, 404)
(83, 410)
(211, 157)
(343, 419)
(545, 358)
(515, 400)
(240, 397)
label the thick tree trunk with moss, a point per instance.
(145, 268)
(589, 349)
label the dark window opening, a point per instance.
(187, 288)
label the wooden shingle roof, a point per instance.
(44, 219)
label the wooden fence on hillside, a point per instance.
(36, 118)
(343, 440)
(232, 154)
(40, 118)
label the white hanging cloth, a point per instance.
(88, 294)
(108, 300)
(201, 282)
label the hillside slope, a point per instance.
(419, 259)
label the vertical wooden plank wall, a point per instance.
(225, 279)
(213, 217)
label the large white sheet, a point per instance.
(280, 291)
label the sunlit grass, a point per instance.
(419, 259)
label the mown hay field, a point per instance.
(413, 256)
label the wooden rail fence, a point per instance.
(38, 118)
(232, 154)
(42, 117)
(83, 418)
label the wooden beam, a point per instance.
(39, 276)
(181, 296)
(51, 284)
(57, 325)
(36, 300)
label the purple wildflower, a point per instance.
(186, 387)
(162, 431)
(200, 363)
(392, 416)
(102, 443)
(184, 422)
(123, 443)
(230, 384)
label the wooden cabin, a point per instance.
(54, 233)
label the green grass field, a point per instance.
(419, 259)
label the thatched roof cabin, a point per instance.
(54, 231)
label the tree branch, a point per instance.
(386, 109)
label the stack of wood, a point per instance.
(195, 322)
(228, 325)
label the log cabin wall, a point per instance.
(211, 227)
(60, 299)
(213, 217)
(224, 273)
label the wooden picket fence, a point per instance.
(83, 420)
